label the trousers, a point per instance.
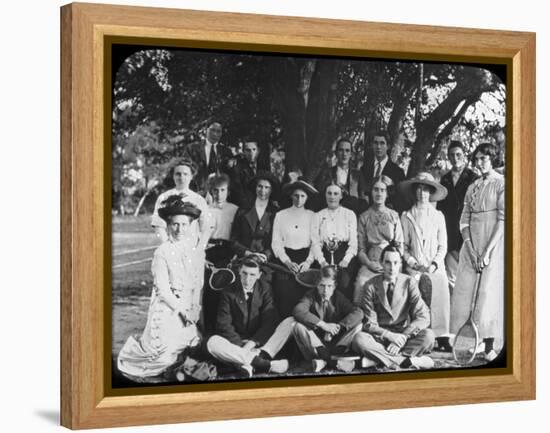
(308, 341)
(223, 350)
(371, 347)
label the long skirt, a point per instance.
(163, 339)
(489, 310)
(434, 289)
(287, 292)
(346, 276)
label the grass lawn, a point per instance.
(133, 247)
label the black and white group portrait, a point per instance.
(279, 216)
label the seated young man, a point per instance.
(395, 333)
(248, 332)
(326, 322)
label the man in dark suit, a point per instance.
(457, 182)
(326, 322)
(350, 180)
(248, 332)
(242, 174)
(383, 165)
(210, 156)
(395, 331)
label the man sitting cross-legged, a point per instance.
(395, 333)
(327, 323)
(247, 334)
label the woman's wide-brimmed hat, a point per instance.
(290, 187)
(264, 175)
(439, 192)
(175, 205)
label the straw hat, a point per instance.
(439, 192)
(290, 187)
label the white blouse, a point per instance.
(222, 220)
(341, 224)
(292, 229)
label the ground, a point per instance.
(133, 246)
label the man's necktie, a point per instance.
(389, 293)
(213, 161)
(378, 170)
(324, 309)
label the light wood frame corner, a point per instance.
(85, 402)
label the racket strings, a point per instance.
(465, 344)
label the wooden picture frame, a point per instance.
(86, 400)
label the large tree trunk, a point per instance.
(305, 93)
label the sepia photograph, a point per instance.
(289, 216)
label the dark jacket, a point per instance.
(340, 310)
(396, 174)
(241, 175)
(453, 204)
(197, 153)
(355, 188)
(249, 233)
(234, 321)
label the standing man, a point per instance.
(249, 333)
(457, 182)
(395, 331)
(210, 156)
(244, 171)
(349, 179)
(383, 165)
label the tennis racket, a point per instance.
(220, 278)
(467, 337)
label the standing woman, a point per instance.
(482, 228)
(175, 307)
(253, 225)
(182, 172)
(425, 247)
(377, 226)
(334, 238)
(291, 244)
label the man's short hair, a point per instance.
(329, 271)
(382, 133)
(340, 141)
(392, 247)
(250, 263)
(455, 143)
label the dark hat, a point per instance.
(264, 175)
(290, 187)
(309, 278)
(439, 192)
(175, 205)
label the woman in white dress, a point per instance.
(425, 247)
(182, 172)
(376, 227)
(482, 228)
(291, 245)
(175, 308)
(334, 239)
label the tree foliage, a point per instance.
(164, 99)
